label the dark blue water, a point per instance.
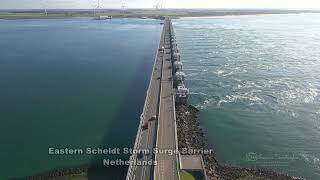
(70, 83)
(256, 81)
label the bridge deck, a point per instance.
(161, 133)
(166, 168)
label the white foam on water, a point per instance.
(263, 70)
(253, 99)
(298, 95)
(221, 101)
(311, 159)
(228, 74)
(219, 72)
(311, 95)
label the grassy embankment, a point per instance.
(184, 175)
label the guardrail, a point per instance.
(143, 115)
(174, 112)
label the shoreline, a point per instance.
(77, 172)
(57, 174)
(144, 14)
(188, 126)
(244, 15)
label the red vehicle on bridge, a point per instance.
(146, 124)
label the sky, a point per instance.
(85, 4)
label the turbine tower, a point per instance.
(45, 7)
(123, 7)
(157, 5)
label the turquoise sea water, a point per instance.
(256, 81)
(72, 83)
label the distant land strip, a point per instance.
(138, 13)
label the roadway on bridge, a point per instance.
(161, 133)
(166, 168)
(148, 136)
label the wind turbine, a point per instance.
(95, 8)
(161, 6)
(158, 5)
(45, 7)
(123, 7)
(99, 5)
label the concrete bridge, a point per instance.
(157, 145)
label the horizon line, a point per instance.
(163, 8)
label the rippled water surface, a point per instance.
(71, 83)
(256, 79)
